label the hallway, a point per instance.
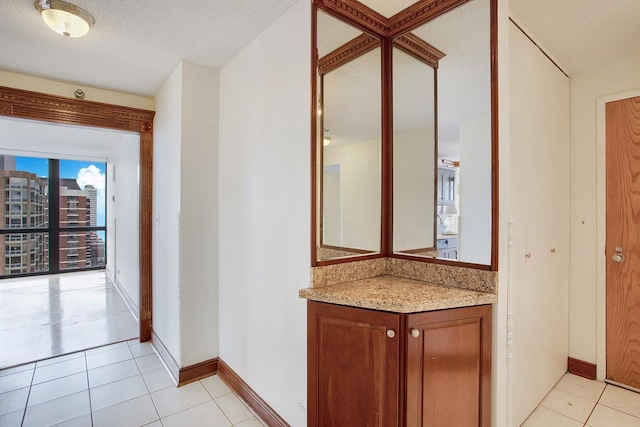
(48, 316)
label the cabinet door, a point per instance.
(353, 366)
(449, 368)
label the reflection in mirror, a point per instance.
(349, 140)
(414, 152)
(463, 189)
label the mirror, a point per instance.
(349, 140)
(463, 178)
(428, 109)
(414, 146)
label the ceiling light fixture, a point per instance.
(65, 18)
(326, 141)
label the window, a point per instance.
(58, 209)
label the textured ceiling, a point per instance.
(135, 44)
(580, 34)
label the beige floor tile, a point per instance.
(57, 411)
(176, 399)
(205, 415)
(114, 372)
(15, 381)
(543, 417)
(215, 386)
(588, 389)
(13, 419)
(233, 408)
(568, 404)
(104, 348)
(59, 370)
(59, 359)
(157, 380)
(254, 422)
(141, 349)
(117, 392)
(154, 424)
(621, 399)
(150, 362)
(83, 421)
(132, 413)
(108, 357)
(15, 369)
(57, 388)
(13, 400)
(604, 416)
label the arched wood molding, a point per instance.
(50, 108)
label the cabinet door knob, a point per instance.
(415, 333)
(391, 333)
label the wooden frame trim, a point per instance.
(581, 368)
(256, 403)
(349, 51)
(56, 109)
(357, 14)
(419, 49)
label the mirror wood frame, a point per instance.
(38, 106)
(371, 22)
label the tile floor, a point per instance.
(578, 402)
(47, 316)
(118, 385)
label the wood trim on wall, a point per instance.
(256, 403)
(347, 52)
(56, 109)
(419, 49)
(196, 372)
(581, 368)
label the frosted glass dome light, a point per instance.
(65, 18)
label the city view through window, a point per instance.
(54, 215)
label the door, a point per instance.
(449, 368)
(623, 241)
(353, 366)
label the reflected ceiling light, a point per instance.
(326, 141)
(65, 18)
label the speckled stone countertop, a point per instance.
(396, 294)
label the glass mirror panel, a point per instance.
(414, 152)
(463, 189)
(348, 141)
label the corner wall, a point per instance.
(586, 88)
(264, 212)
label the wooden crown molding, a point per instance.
(347, 52)
(419, 49)
(402, 22)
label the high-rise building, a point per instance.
(25, 201)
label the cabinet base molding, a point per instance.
(256, 403)
(582, 369)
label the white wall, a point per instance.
(586, 256)
(539, 205)
(264, 211)
(123, 215)
(21, 81)
(359, 192)
(185, 212)
(199, 214)
(167, 135)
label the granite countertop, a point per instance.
(396, 294)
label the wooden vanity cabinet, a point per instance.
(377, 368)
